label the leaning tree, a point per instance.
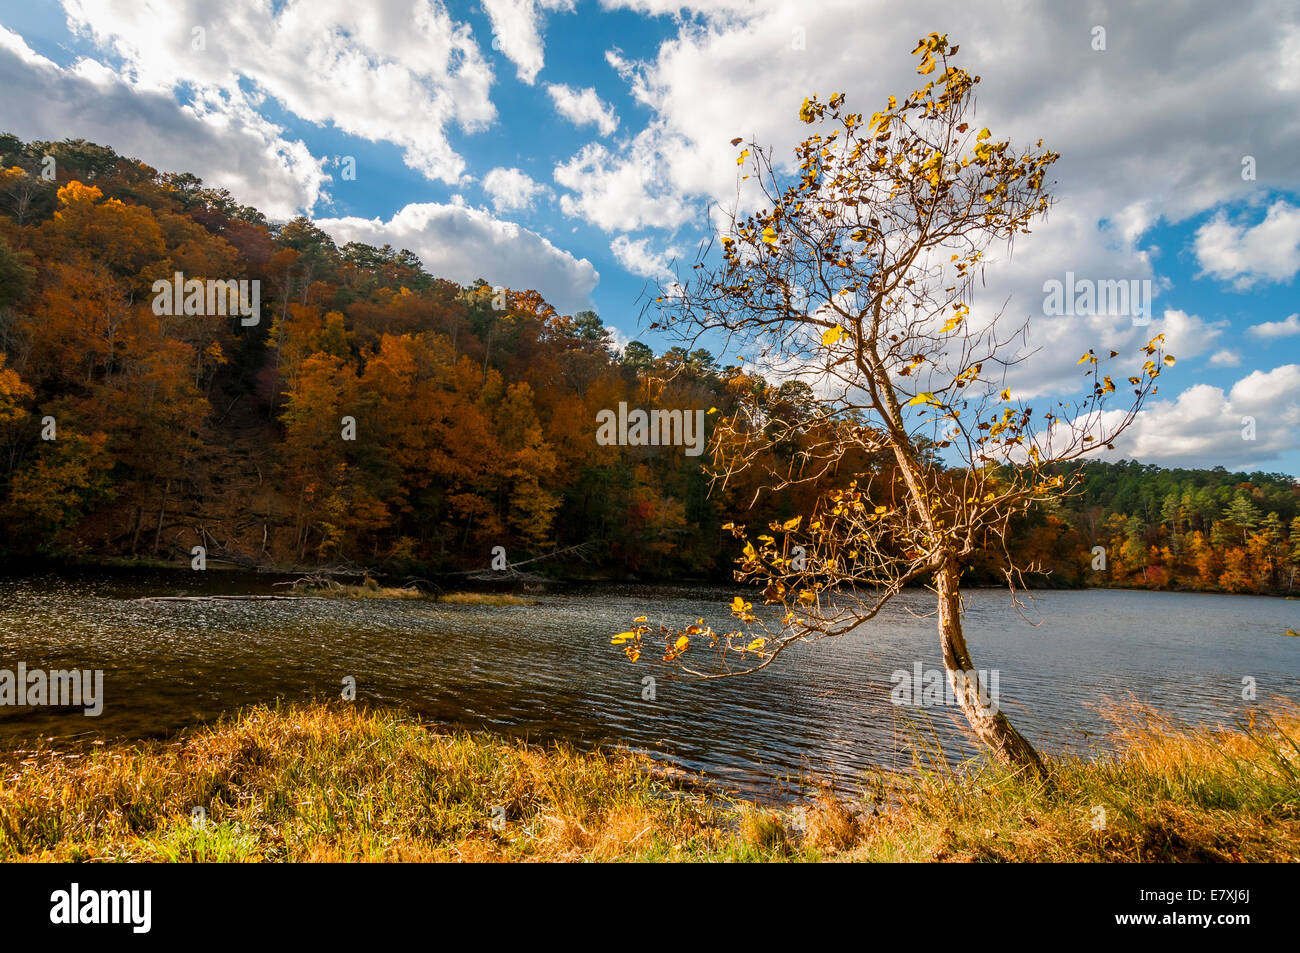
(857, 278)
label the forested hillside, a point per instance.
(128, 433)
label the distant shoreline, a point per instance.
(469, 581)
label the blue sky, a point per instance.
(485, 140)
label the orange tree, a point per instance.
(857, 278)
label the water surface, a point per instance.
(548, 671)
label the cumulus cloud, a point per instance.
(1041, 78)
(615, 192)
(1131, 123)
(1249, 254)
(676, 7)
(511, 189)
(517, 25)
(463, 244)
(1055, 344)
(1225, 358)
(583, 107)
(400, 72)
(1277, 329)
(236, 151)
(1246, 428)
(640, 259)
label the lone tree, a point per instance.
(857, 280)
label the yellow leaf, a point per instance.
(984, 134)
(769, 235)
(791, 525)
(1169, 360)
(832, 336)
(924, 397)
(681, 643)
(622, 637)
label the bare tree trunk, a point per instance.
(990, 725)
(139, 522)
(162, 512)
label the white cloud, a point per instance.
(1225, 358)
(517, 25)
(1130, 123)
(511, 189)
(399, 72)
(619, 340)
(1011, 296)
(1246, 255)
(672, 7)
(621, 192)
(1186, 335)
(1041, 78)
(1276, 329)
(638, 258)
(1206, 427)
(1057, 344)
(1287, 75)
(236, 150)
(583, 107)
(462, 243)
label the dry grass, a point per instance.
(485, 599)
(344, 591)
(328, 783)
(372, 590)
(338, 783)
(1168, 794)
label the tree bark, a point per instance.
(990, 725)
(162, 512)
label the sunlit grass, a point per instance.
(485, 599)
(323, 783)
(371, 590)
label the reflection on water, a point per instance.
(548, 671)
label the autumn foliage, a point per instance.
(474, 423)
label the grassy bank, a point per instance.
(485, 599)
(372, 590)
(338, 783)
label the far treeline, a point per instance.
(126, 434)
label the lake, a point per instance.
(548, 672)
